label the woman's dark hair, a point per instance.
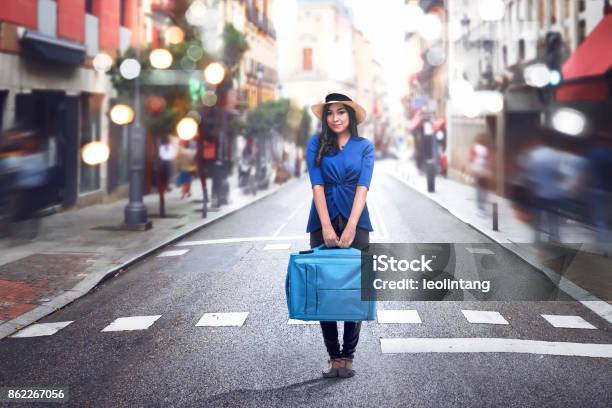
(328, 139)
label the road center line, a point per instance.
(494, 345)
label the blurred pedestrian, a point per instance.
(481, 158)
(186, 167)
(340, 166)
(600, 197)
(166, 155)
(543, 176)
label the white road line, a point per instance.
(483, 251)
(41, 329)
(244, 239)
(568, 322)
(297, 209)
(398, 316)
(223, 319)
(131, 323)
(279, 229)
(380, 223)
(493, 345)
(177, 252)
(293, 321)
(272, 247)
(481, 316)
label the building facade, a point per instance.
(48, 82)
(324, 52)
(493, 55)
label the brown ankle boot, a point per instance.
(346, 370)
(333, 367)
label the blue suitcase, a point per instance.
(324, 284)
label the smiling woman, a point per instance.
(340, 165)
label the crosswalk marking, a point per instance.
(238, 319)
(482, 251)
(493, 345)
(131, 323)
(568, 322)
(398, 316)
(41, 329)
(293, 321)
(223, 319)
(486, 317)
(177, 252)
(272, 247)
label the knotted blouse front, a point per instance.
(340, 174)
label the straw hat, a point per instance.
(360, 113)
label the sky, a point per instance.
(381, 22)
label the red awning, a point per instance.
(593, 57)
(583, 72)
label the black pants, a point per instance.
(351, 329)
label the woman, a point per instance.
(186, 166)
(340, 166)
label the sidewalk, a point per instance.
(75, 250)
(578, 265)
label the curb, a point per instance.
(96, 279)
(598, 306)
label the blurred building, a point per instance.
(493, 53)
(324, 52)
(258, 79)
(47, 80)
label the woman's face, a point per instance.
(337, 118)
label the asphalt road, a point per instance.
(266, 362)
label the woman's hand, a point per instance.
(348, 236)
(329, 237)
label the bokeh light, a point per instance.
(102, 62)
(214, 73)
(121, 114)
(537, 75)
(491, 10)
(175, 35)
(209, 98)
(187, 128)
(95, 153)
(160, 58)
(430, 27)
(569, 121)
(129, 68)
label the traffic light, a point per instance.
(554, 54)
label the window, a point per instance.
(307, 59)
(91, 110)
(3, 95)
(581, 31)
(553, 12)
(521, 49)
(541, 13)
(89, 6)
(505, 55)
(122, 5)
(581, 5)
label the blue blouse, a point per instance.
(341, 173)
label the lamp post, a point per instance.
(135, 212)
